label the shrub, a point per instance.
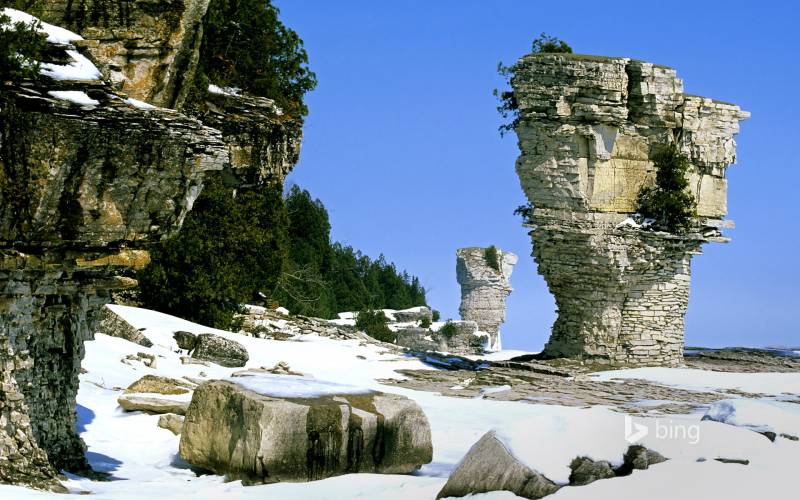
(449, 330)
(375, 324)
(667, 202)
(509, 107)
(526, 212)
(21, 48)
(492, 258)
(436, 315)
(425, 322)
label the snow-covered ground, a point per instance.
(143, 461)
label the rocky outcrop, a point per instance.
(172, 422)
(219, 350)
(146, 49)
(258, 438)
(484, 288)
(89, 178)
(82, 189)
(588, 127)
(112, 324)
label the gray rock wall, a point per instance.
(484, 289)
(588, 127)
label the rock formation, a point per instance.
(455, 337)
(89, 178)
(484, 288)
(588, 127)
(310, 434)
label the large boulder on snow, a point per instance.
(115, 325)
(219, 350)
(265, 429)
(490, 466)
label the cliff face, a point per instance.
(484, 289)
(88, 178)
(588, 127)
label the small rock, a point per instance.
(220, 350)
(188, 360)
(160, 385)
(152, 404)
(185, 340)
(586, 471)
(739, 461)
(172, 422)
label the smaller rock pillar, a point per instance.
(485, 285)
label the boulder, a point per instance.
(413, 314)
(185, 340)
(153, 403)
(586, 471)
(316, 433)
(220, 350)
(462, 337)
(171, 422)
(113, 324)
(160, 385)
(490, 466)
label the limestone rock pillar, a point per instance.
(587, 131)
(484, 288)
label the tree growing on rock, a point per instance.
(668, 202)
(508, 107)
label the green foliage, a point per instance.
(245, 45)
(374, 324)
(668, 203)
(436, 315)
(425, 322)
(21, 49)
(449, 330)
(322, 279)
(509, 107)
(547, 44)
(524, 211)
(231, 247)
(492, 258)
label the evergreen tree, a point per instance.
(21, 49)
(668, 203)
(245, 45)
(231, 247)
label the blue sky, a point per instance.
(401, 142)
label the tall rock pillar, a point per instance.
(484, 288)
(588, 129)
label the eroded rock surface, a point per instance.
(112, 324)
(262, 439)
(588, 127)
(484, 289)
(219, 350)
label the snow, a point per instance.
(231, 91)
(55, 34)
(771, 384)
(282, 310)
(80, 68)
(139, 104)
(289, 386)
(74, 96)
(143, 458)
(759, 415)
(629, 223)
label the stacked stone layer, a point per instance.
(588, 128)
(484, 289)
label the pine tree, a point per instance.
(668, 203)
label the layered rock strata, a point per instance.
(82, 189)
(588, 128)
(88, 179)
(484, 288)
